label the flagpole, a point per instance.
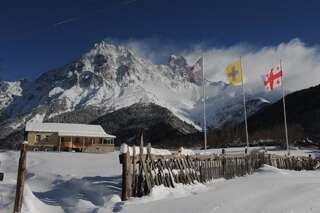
(244, 106)
(204, 106)
(284, 109)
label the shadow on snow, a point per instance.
(97, 190)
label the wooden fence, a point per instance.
(143, 171)
(292, 162)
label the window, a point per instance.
(38, 138)
(47, 138)
(108, 141)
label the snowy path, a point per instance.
(91, 183)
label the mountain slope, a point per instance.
(303, 115)
(158, 123)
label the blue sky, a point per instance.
(37, 36)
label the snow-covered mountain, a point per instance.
(8, 91)
(108, 78)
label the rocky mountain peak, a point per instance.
(180, 66)
(177, 62)
(103, 51)
(10, 90)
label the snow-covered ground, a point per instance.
(91, 183)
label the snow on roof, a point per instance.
(67, 129)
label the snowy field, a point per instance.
(91, 183)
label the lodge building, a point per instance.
(68, 137)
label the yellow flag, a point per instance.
(234, 73)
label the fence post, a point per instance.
(1, 174)
(20, 178)
(310, 160)
(144, 167)
(140, 190)
(201, 169)
(126, 176)
(247, 163)
(270, 160)
(134, 179)
(223, 163)
(148, 165)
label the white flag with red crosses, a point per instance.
(273, 78)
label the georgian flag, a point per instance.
(273, 78)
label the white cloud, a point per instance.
(301, 63)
